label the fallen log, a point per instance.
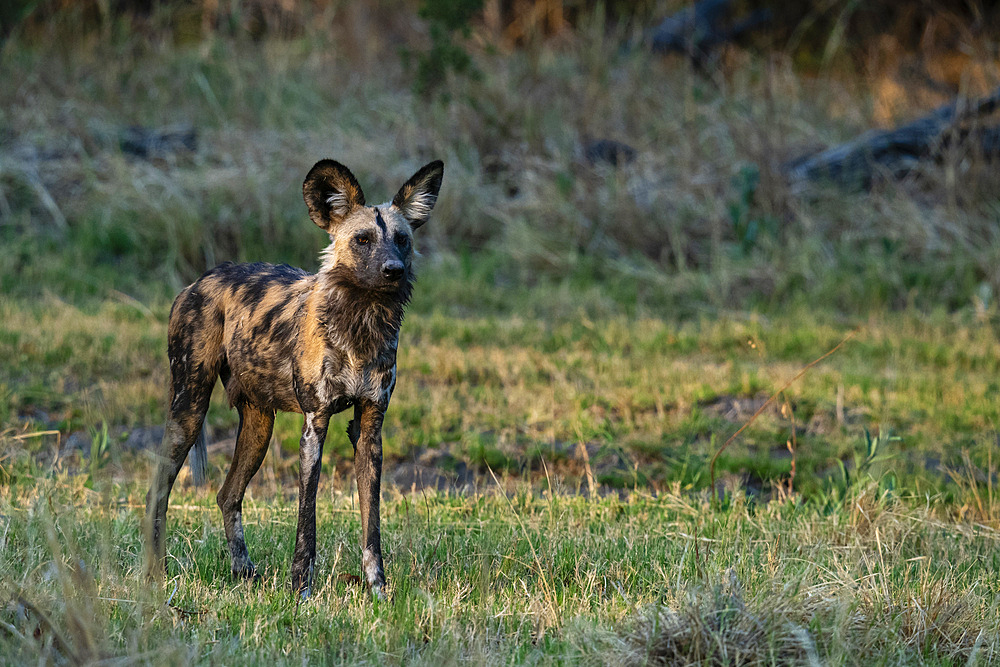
(695, 31)
(897, 152)
(608, 151)
(150, 143)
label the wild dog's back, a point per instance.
(238, 317)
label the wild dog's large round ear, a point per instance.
(331, 193)
(418, 195)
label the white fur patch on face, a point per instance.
(328, 257)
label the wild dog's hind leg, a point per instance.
(194, 342)
(252, 439)
(188, 406)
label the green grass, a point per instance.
(642, 395)
(894, 556)
(530, 579)
(592, 335)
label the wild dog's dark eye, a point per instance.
(362, 239)
(402, 240)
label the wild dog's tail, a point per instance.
(198, 458)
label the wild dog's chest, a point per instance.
(357, 379)
(343, 356)
(346, 379)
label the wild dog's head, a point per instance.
(372, 246)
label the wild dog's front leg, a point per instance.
(310, 458)
(368, 470)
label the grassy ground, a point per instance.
(591, 334)
(645, 403)
(529, 579)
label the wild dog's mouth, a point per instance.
(389, 287)
(381, 282)
(398, 281)
(393, 270)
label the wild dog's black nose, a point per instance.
(393, 269)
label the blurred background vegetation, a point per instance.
(524, 100)
(608, 192)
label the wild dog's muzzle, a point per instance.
(393, 270)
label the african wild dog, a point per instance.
(283, 339)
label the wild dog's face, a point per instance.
(371, 246)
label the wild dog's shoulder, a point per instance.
(245, 286)
(253, 273)
(248, 282)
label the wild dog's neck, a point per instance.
(364, 322)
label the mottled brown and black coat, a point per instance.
(280, 338)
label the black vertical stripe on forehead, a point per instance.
(379, 221)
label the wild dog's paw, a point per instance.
(154, 572)
(371, 562)
(301, 580)
(246, 571)
(378, 591)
